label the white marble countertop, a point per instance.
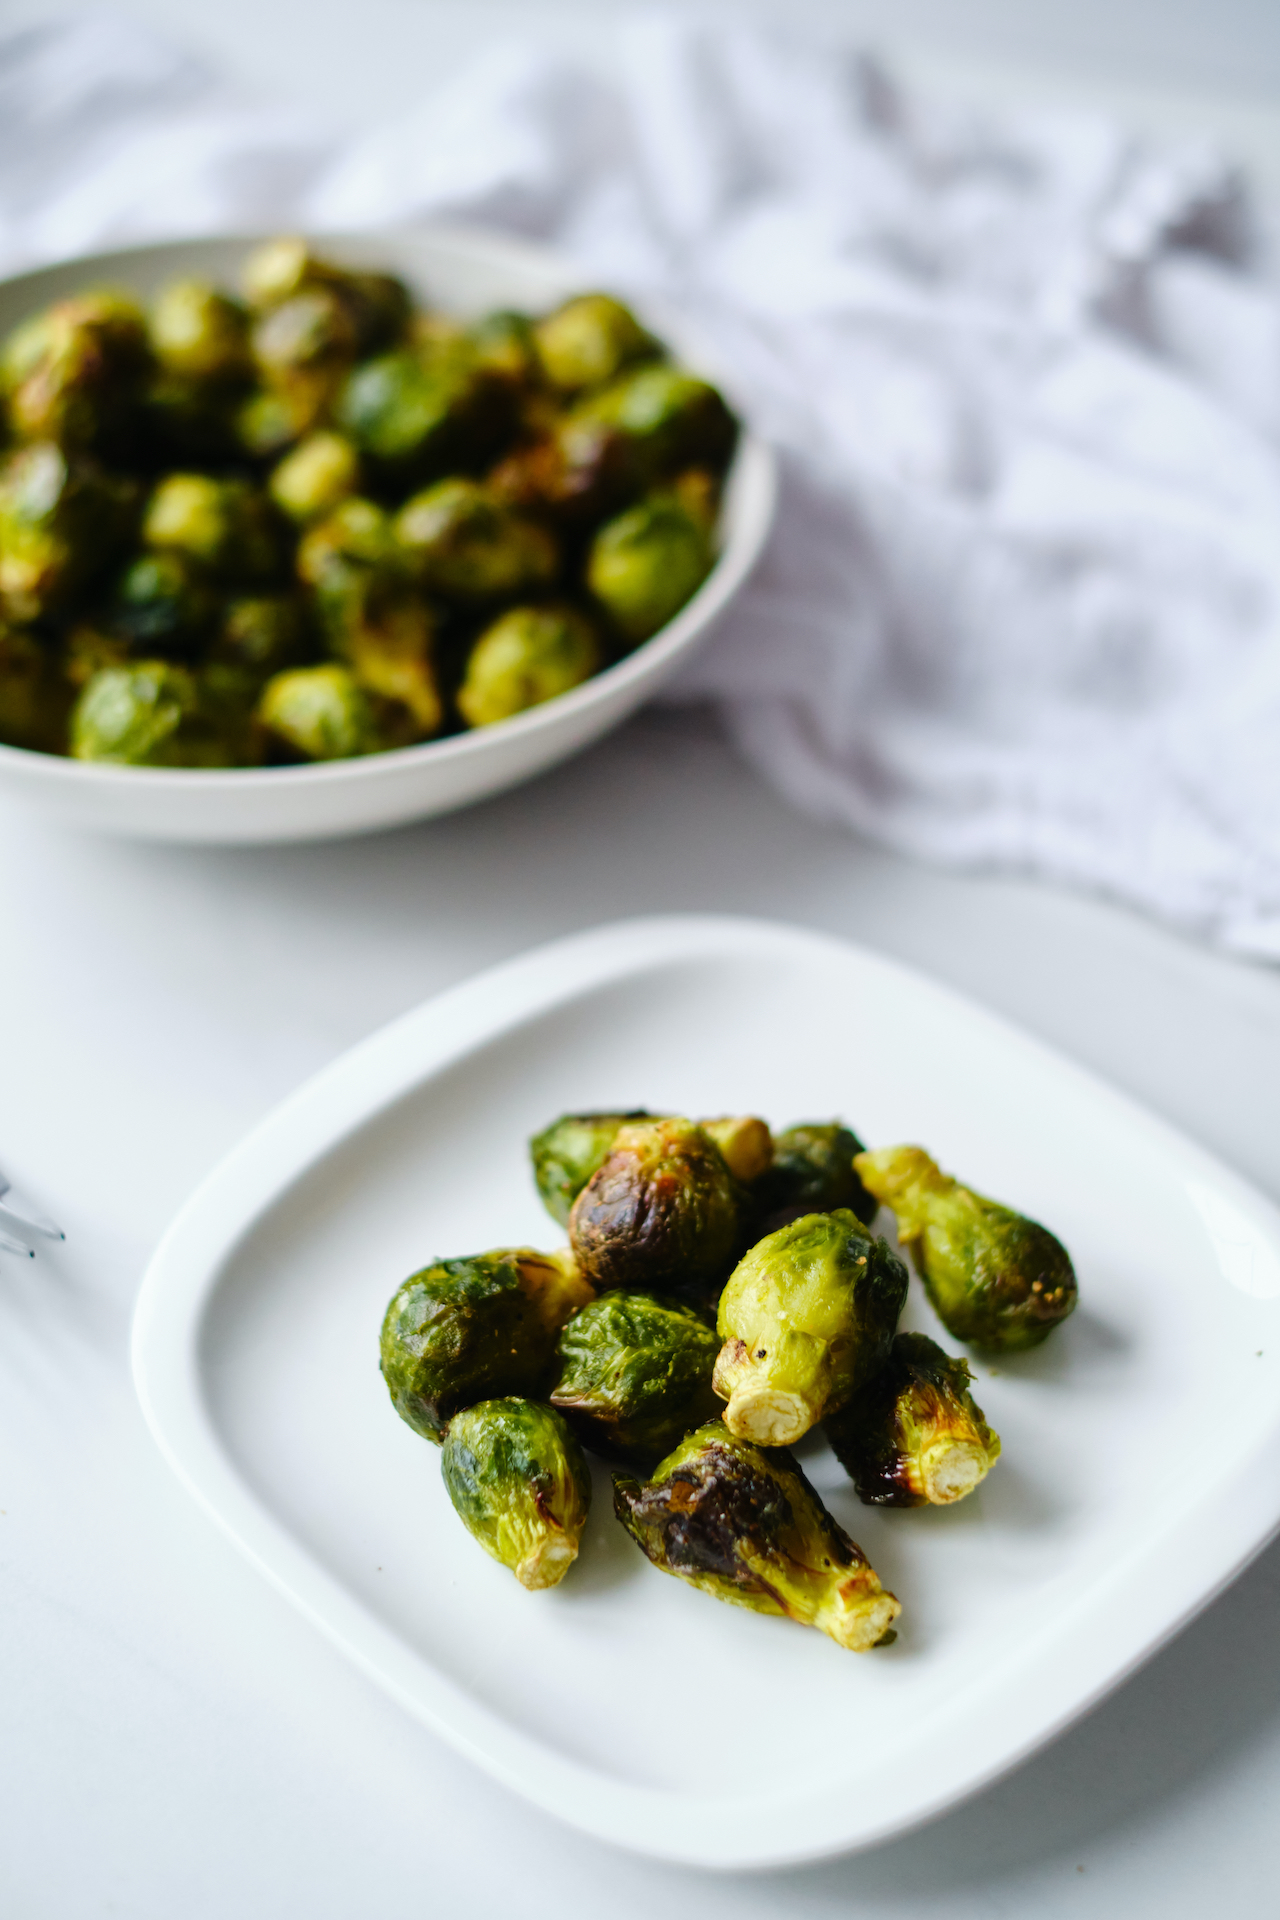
(173, 1739)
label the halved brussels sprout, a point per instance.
(644, 565)
(162, 603)
(321, 471)
(528, 655)
(588, 340)
(812, 1172)
(474, 1329)
(227, 526)
(519, 1484)
(663, 1207)
(806, 1318)
(567, 1153)
(147, 714)
(635, 1375)
(34, 698)
(200, 334)
(73, 373)
(996, 1279)
(914, 1434)
(318, 713)
(746, 1526)
(464, 543)
(61, 521)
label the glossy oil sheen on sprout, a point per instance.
(520, 1486)
(745, 1526)
(635, 1375)
(806, 1317)
(471, 1329)
(662, 1205)
(998, 1280)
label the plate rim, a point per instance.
(1234, 1522)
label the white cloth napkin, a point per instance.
(1022, 608)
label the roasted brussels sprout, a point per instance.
(147, 714)
(34, 698)
(567, 1153)
(376, 306)
(670, 419)
(266, 424)
(73, 373)
(317, 713)
(61, 521)
(806, 1318)
(644, 565)
(914, 1434)
(373, 617)
(588, 340)
(464, 544)
(476, 1328)
(635, 1375)
(528, 655)
(504, 343)
(577, 470)
(745, 1143)
(662, 1207)
(747, 1527)
(996, 1279)
(226, 526)
(321, 472)
(199, 334)
(414, 418)
(812, 1172)
(263, 635)
(304, 348)
(162, 603)
(519, 1484)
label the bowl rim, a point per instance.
(753, 467)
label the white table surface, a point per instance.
(173, 1740)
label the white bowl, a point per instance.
(462, 271)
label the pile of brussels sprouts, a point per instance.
(315, 522)
(721, 1295)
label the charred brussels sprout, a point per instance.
(74, 373)
(34, 698)
(528, 655)
(806, 1319)
(635, 1375)
(376, 306)
(746, 1526)
(61, 521)
(998, 1280)
(588, 340)
(520, 1486)
(473, 1329)
(576, 470)
(914, 1435)
(644, 565)
(662, 1207)
(316, 476)
(162, 603)
(199, 334)
(567, 1153)
(147, 714)
(463, 543)
(317, 713)
(812, 1172)
(225, 526)
(264, 636)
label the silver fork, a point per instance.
(29, 1222)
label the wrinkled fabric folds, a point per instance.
(1022, 606)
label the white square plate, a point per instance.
(1138, 1474)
